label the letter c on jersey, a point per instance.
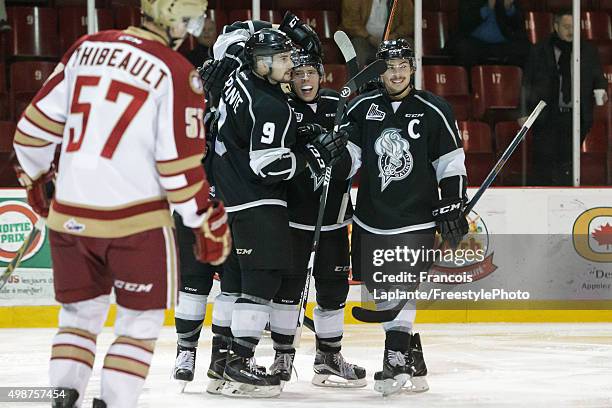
(411, 126)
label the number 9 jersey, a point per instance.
(127, 111)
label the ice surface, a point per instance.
(470, 365)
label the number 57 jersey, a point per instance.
(127, 111)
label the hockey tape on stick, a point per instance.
(381, 316)
(27, 244)
(348, 52)
(373, 70)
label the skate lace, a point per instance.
(254, 368)
(396, 358)
(282, 362)
(346, 369)
(185, 360)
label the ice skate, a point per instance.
(416, 364)
(245, 379)
(394, 375)
(332, 371)
(184, 366)
(283, 365)
(218, 356)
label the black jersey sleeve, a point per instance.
(445, 147)
(350, 164)
(272, 138)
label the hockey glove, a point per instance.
(39, 191)
(326, 149)
(214, 73)
(451, 221)
(301, 33)
(307, 133)
(213, 240)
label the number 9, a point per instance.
(268, 133)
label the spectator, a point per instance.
(489, 29)
(207, 38)
(4, 26)
(548, 77)
(364, 22)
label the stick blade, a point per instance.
(346, 46)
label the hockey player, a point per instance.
(126, 109)
(196, 280)
(255, 153)
(314, 107)
(408, 147)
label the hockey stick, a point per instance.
(27, 244)
(371, 71)
(380, 316)
(389, 20)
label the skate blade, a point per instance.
(391, 385)
(215, 386)
(334, 381)
(416, 385)
(241, 390)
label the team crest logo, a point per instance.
(298, 116)
(195, 82)
(394, 158)
(374, 113)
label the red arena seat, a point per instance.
(34, 31)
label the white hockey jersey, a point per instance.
(127, 111)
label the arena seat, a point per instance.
(539, 25)
(478, 166)
(595, 25)
(518, 166)
(7, 175)
(73, 24)
(495, 87)
(4, 96)
(324, 22)
(335, 76)
(34, 32)
(127, 16)
(331, 52)
(27, 77)
(451, 82)
(435, 32)
(476, 137)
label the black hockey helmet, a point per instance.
(267, 42)
(304, 59)
(398, 48)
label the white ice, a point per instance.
(470, 365)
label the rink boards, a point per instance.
(553, 244)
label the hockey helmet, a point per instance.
(399, 48)
(166, 13)
(267, 42)
(304, 59)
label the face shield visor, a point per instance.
(195, 25)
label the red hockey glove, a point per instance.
(40, 191)
(213, 239)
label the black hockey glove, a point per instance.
(301, 33)
(450, 219)
(214, 73)
(307, 133)
(326, 149)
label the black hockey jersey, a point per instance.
(256, 131)
(305, 189)
(404, 155)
